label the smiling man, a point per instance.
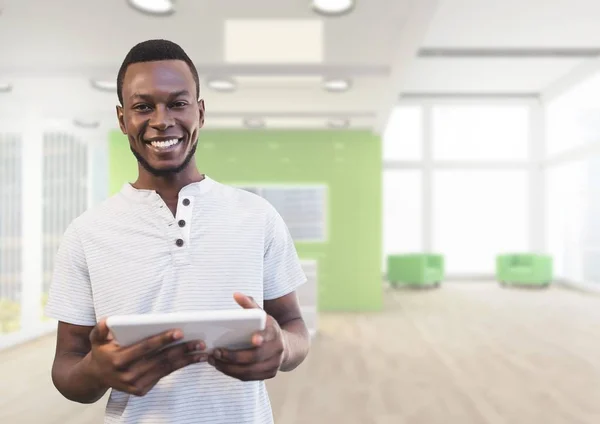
(173, 240)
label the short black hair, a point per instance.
(151, 51)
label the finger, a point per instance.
(146, 382)
(163, 365)
(149, 346)
(140, 368)
(245, 302)
(100, 332)
(270, 333)
(258, 338)
(267, 335)
(259, 371)
(248, 356)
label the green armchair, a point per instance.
(419, 269)
(524, 269)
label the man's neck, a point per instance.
(168, 187)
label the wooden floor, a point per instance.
(465, 353)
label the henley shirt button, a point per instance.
(179, 242)
(186, 202)
(181, 223)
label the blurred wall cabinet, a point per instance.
(303, 208)
(308, 294)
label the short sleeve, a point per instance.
(70, 296)
(282, 270)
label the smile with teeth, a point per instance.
(165, 144)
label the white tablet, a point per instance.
(230, 329)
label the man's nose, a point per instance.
(161, 119)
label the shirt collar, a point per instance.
(193, 189)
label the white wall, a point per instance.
(572, 172)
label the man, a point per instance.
(174, 240)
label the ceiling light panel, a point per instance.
(280, 82)
(332, 7)
(337, 85)
(338, 123)
(221, 84)
(296, 122)
(221, 122)
(274, 41)
(104, 85)
(86, 123)
(254, 123)
(153, 7)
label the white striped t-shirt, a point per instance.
(130, 255)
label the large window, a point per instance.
(41, 192)
(573, 228)
(573, 182)
(431, 155)
(572, 119)
(64, 190)
(477, 215)
(403, 137)
(564, 208)
(472, 133)
(11, 287)
(402, 198)
(590, 222)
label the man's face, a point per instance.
(161, 115)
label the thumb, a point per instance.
(100, 332)
(245, 302)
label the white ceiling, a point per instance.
(515, 23)
(279, 51)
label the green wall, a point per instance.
(349, 162)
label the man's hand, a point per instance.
(136, 369)
(260, 362)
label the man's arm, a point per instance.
(286, 311)
(281, 346)
(70, 301)
(88, 362)
(70, 371)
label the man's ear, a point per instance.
(121, 119)
(202, 112)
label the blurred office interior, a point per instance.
(436, 161)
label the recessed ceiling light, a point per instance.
(337, 85)
(338, 123)
(254, 123)
(222, 84)
(104, 85)
(332, 7)
(153, 7)
(5, 88)
(82, 123)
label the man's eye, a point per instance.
(142, 108)
(179, 104)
